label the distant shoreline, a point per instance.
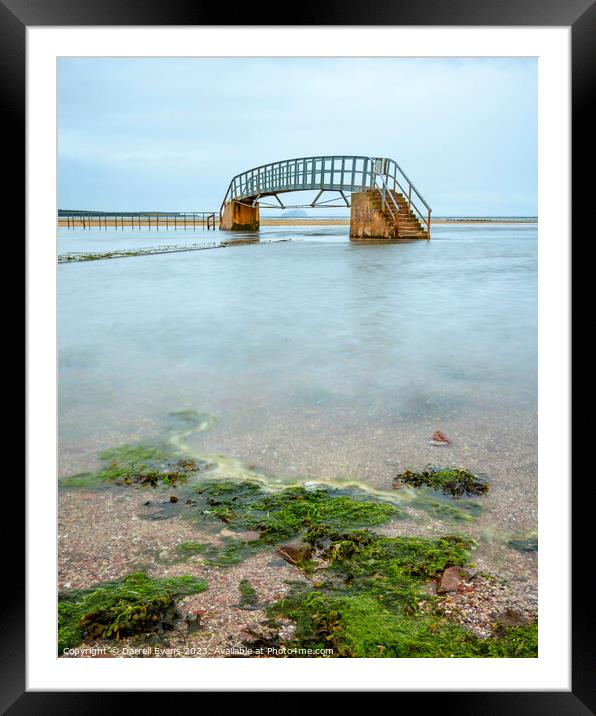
(305, 221)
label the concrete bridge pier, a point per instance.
(368, 222)
(240, 217)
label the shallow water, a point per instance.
(318, 357)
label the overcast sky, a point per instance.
(168, 134)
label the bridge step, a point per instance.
(407, 224)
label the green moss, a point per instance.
(248, 595)
(455, 481)
(135, 604)
(284, 514)
(145, 465)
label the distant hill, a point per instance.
(294, 214)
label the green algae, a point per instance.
(361, 626)
(370, 604)
(289, 512)
(248, 595)
(147, 465)
(133, 605)
(362, 552)
(454, 481)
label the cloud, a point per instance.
(464, 129)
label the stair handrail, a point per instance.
(385, 192)
(425, 219)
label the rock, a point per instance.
(449, 581)
(511, 618)
(439, 438)
(295, 551)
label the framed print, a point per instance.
(299, 355)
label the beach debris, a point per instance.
(440, 439)
(450, 581)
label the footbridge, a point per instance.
(384, 204)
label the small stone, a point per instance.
(511, 618)
(294, 552)
(439, 438)
(449, 581)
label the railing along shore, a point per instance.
(189, 220)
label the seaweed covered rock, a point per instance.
(132, 605)
(455, 481)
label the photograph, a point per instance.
(297, 357)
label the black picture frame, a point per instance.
(580, 15)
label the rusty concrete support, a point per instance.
(367, 221)
(240, 217)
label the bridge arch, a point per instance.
(384, 204)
